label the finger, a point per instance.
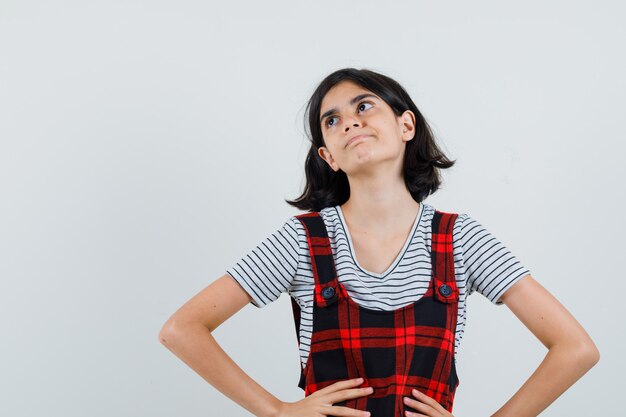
(427, 400)
(348, 394)
(412, 414)
(340, 385)
(419, 407)
(336, 410)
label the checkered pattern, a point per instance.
(393, 351)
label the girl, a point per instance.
(378, 279)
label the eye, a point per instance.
(364, 103)
(361, 107)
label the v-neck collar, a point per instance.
(344, 226)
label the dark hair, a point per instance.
(422, 157)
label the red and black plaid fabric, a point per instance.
(393, 351)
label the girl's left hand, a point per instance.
(427, 406)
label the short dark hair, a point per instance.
(422, 157)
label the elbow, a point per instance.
(172, 329)
(585, 354)
(589, 351)
(168, 332)
(592, 354)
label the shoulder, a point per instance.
(428, 212)
(329, 215)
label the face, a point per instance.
(360, 129)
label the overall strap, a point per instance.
(326, 282)
(442, 257)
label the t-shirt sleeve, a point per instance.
(268, 270)
(490, 267)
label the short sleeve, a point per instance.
(490, 267)
(269, 269)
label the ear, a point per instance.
(407, 125)
(326, 156)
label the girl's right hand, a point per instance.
(320, 403)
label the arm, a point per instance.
(571, 352)
(187, 334)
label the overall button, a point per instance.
(328, 293)
(445, 290)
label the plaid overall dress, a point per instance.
(393, 351)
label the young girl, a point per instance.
(378, 279)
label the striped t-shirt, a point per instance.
(282, 263)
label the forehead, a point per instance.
(341, 94)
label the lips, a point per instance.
(355, 138)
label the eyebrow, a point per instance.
(354, 100)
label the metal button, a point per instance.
(328, 293)
(445, 290)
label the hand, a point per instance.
(426, 405)
(320, 403)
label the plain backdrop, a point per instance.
(147, 145)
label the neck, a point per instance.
(381, 210)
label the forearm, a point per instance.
(195, 345)
(562, 366)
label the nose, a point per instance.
(351, 122)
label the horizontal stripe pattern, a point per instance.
(281, 264)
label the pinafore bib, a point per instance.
(393, 351)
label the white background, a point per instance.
(147, 145)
